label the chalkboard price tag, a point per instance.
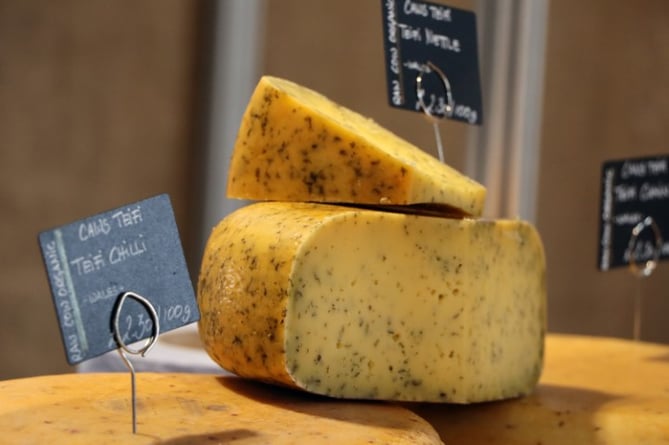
(418, 32)
(631, 190)
(91, 262)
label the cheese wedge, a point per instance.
(364, 304)
(593, 390)
(192, 409)
(296, 145)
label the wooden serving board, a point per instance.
(592, 391)
(176, 409)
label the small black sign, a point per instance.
(633, 189)
(91, 262)
(417, 33)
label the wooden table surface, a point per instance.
(592, 391)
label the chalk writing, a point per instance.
(441, 41)
(414, 65)
(608, 200)
(103, 294)
(139, 325)
(625, 192)
(394, 60)
(653, 191)
(89, 263)
(644, 251)
(411, 7)
(93, 262)
(435, 12)
(632, 189)
(91, 229)
(435, 105)
(397, 93)
(73, 348)
(628, 219)
(419, 32)
(466, 113)
(128, 217)
(126, 250)
(657, 166)
(391, 21)
(408, 32)
(643, 168)
(440, 13)
(56, 272)
(606, 232)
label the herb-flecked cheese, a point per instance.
(357, 303)
(296, 145)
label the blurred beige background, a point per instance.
(104, 103)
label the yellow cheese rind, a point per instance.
(296, 145)
(593, 390)
(243, 283)
(192, 409)
(372, 305)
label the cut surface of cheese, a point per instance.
(593, 390)
(296, 145)
(365, 304)
(192, 409)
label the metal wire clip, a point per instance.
(448, 108)
(123, 347)
(648, 267)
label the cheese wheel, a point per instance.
(364, 304)
(593, 391)
(192, 409)
(296, 145)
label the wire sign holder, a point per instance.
(419, 37)
(423, 38)
(96, 264)
(648, 266)
(429, 67)
(123, 348)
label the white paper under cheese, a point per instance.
(373, 305)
